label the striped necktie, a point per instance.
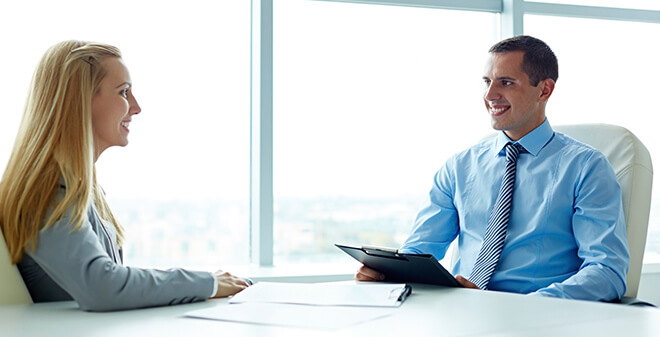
(491, 249)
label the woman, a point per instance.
(54, 217)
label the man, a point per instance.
(562, 232)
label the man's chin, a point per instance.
(496, 126)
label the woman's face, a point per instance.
(113, 107)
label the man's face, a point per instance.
(515, 106)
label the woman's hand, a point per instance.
(228, 284)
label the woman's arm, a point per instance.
(80, 264)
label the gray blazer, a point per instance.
(86, 266)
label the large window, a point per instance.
(181, 186)
(369, 102)
(607, 74)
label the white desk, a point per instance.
(429, 311)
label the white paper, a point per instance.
(344, 294)
(292, 315)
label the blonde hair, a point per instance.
(55, 141)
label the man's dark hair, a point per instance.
(539, 62)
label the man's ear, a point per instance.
(547, 87)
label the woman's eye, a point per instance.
(124, 92)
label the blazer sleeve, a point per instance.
(79, 264)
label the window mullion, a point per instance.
(464, 5)
(261, 142)
(511, 18)
(592, 12)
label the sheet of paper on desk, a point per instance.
(292, 315)
(339, 294)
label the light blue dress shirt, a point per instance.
(566, 235)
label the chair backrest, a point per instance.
(12, 288)
(631, 162)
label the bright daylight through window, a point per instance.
(180, 188)
(365, 112)
(592, 58)
(368, 102)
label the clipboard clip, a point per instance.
(401, 294)
(382, 251)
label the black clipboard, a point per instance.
(399, 267)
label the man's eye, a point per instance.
(506, 83)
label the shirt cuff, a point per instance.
(215, 285)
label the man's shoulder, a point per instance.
(574, 146)
(579, 154)
(475, 151)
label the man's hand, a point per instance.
(465, 282)
(368, 274)
(228, 284)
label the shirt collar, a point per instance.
(533, 142)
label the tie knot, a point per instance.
(512, 151)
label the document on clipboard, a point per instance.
(400, 267)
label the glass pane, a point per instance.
(633, 4)
(181, 186)
(369, 102)
(608, 74)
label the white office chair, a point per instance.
(631, 162)
(12, 288)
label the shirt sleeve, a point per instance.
(78, 263)
(600, 234)
(436, 225)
